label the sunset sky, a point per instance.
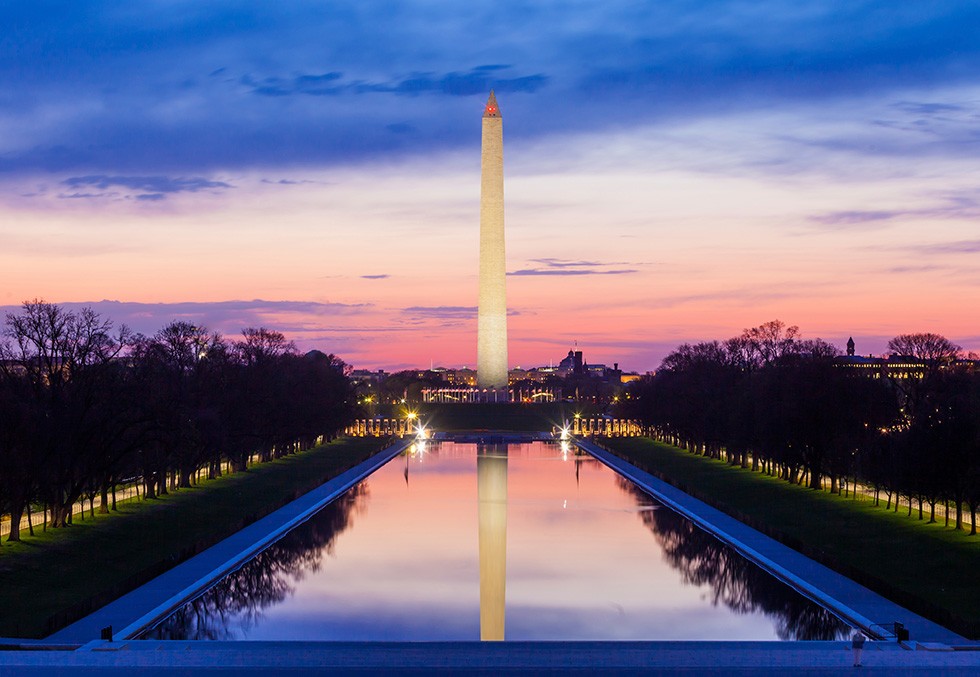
(675, 171)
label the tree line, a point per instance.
(793, 408)
(86, 406)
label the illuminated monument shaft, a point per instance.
(491, 348)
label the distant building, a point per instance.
(592, 382)
(368, 376)
(572, 365)
(895, 366)
(462, 377)
(536, 374)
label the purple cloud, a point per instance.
(82, 196)
(289, 182)
(561, 263)
(447, 312)
(926, 108)
(747, 296)
(226, 317)
(899, 270)
(960, 205)
(442, 312)
(960, 247)
(477, 80)
(552, 266)
(848, 218)
(152, 188)
(526, 272)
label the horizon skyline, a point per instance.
(437, 365)
(675, 173)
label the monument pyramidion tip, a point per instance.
(492, 110)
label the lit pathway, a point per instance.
(853, 602)
(124, 493)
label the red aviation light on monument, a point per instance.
(492, 110)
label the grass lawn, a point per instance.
(59, 576)
(931, 569)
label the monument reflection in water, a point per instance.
(491, 477)
(563, 551)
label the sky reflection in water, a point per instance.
(588, 556)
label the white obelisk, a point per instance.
(491, 345)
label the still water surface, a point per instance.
(518, 542)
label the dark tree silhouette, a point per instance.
(793, 408)
(85, 406)
(65, 361)
(927, 347)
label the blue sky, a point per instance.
(763, 131)
(111, 88)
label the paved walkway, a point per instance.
(132, 612)
(855, 603)
(487, 658)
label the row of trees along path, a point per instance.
(776, 403)
(85, 407)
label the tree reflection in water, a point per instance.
(735, 582)
(231, 608)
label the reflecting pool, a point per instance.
(517, 542)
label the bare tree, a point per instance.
(928, 347)
(75, 417)
(261, 345)
(770, 341)
(62, 357)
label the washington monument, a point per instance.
(491, 345)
